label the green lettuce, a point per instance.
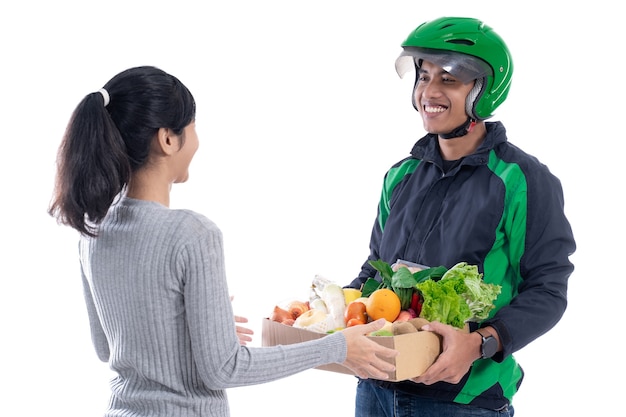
(459, 296)
(443, 303)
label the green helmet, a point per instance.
(469, 50)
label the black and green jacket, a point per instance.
(500, 209)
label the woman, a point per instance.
(154, 278)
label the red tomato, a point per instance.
(354, 322)
(356, 310)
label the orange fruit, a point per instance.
(383, 303)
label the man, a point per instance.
(466, 194)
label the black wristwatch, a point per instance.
(489, 347)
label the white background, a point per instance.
(300, 113)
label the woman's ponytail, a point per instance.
(92, 167)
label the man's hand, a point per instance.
(460, 350)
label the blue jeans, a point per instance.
(375, 401)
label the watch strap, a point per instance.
(482, 334)
(487, 341)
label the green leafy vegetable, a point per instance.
(477, 293)
(370, 286)
(434, 273)
(403, 284)
(442, 303)
(459, 296)
(385, 270)
(452, 296)
(402, 281)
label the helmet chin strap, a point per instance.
(462, 130)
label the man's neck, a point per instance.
(457, 148)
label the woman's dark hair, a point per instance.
(103, 145)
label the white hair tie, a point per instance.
(105, 95)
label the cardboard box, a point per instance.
(417, 350)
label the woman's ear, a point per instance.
(167, 141)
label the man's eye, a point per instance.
(449, 80)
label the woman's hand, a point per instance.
(459, 351)
(243, 333)
(365, 357)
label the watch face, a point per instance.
(489, 346)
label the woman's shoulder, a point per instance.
(167, 220)
(191, 220)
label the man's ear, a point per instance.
(167, 141)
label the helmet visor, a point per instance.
(462, 66)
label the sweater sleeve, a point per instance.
(98, 337)
(221, 361)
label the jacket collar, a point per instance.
(427, 149)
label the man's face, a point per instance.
(440, 99)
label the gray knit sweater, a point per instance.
(160, 314)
